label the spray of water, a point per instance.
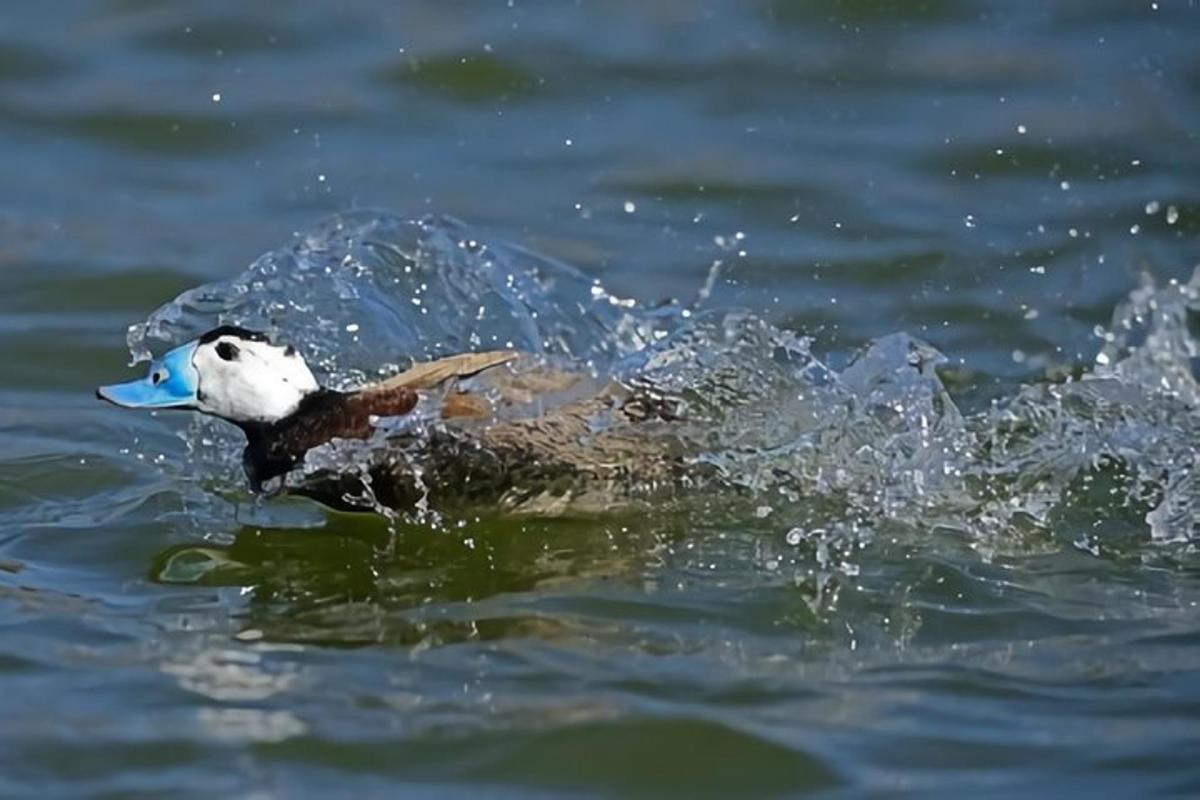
(829, 457)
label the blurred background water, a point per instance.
(990, 177)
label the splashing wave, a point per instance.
(830, 454)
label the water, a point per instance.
(947, 539)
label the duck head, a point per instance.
(229, 372)
(266, 390)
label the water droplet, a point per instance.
(630, 206)
(1172, 215)
(216, 97)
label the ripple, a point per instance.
(691, 756)
(24, 63)
(231, 35)
(152, 132)
(465, 77)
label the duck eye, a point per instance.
(157, 377)
(227, 351)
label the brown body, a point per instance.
(499, 445)
(275, 448)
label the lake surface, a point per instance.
(983, 578)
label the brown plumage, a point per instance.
(274, 448)
(530, 451)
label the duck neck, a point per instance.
(274, 448)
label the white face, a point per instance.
(245, 380)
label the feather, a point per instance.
(428, 374)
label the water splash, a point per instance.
(364, 293)
(830, 455)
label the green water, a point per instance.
(991, 177)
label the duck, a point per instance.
(537, 440)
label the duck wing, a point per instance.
(429, 374)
